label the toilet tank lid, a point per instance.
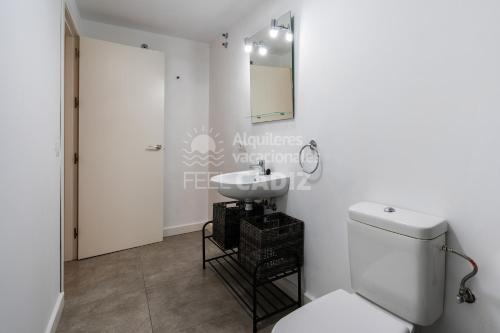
(401, 221)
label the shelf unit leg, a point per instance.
(252, 290)
(203, 239)
(254, 305)
(299, 287)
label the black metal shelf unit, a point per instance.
(261, 297)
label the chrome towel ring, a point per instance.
(313, 146)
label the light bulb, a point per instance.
(248, 48)
(262, 50)
(273, 32)
(289, 36)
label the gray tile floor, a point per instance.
(157, 288)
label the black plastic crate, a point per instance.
(275, 242)
(226, 221)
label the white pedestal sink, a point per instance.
(250, 185)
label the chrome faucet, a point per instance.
(261, 165)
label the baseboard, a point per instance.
(290, 288)
(182, 229)
(56, 314)
(308, 298)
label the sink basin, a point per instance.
(250, 185)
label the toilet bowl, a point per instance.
(342, 312)
(397, 274)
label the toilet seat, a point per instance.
(341, 312)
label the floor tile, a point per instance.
(189, 301)
(234, 322)
(178, 256)
(123, 313)
(93, 279)
(159, 288)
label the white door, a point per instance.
(121, 147)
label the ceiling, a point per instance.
(201, 20)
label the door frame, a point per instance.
(67, 21)
(71, 91)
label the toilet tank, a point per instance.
(396, 260)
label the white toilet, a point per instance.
(397, 273)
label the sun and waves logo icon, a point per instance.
(201, 148)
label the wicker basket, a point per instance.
(226, 221)
(271, 236)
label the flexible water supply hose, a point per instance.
(465, 295)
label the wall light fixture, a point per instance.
(262, 50)
(248, 46)
(276, 28)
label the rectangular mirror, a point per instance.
(271, 71)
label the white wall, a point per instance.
(30, 85)
(403, 99)
(186, 106)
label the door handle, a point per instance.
(154, 147)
